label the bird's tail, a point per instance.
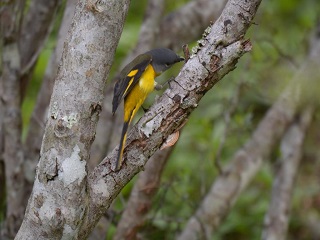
(121, 146)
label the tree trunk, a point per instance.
(59, 201)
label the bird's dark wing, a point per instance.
(128, 78)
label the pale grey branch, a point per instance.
(277, 217)
(58, 207)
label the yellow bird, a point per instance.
(134, 84)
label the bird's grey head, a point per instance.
(163, 59)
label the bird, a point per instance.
(135, 82)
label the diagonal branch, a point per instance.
(139, 203)
(173, 37)
(217, 55)
(132, 217)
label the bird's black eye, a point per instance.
(167, 64)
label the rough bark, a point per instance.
(22, 44)
(276, 219)
(247, 161)
(139, 203)
(219, 50)
(109, 128)
(58, 206)
(141, 197)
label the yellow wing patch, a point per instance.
(129, 84)
(132, 73)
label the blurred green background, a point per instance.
(280, 36)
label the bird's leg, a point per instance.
(158, 86)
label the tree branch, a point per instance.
(108, 124)
(217, 55)
(276, 219)
(58, 206)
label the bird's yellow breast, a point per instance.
(139, 93)
(146, 82)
